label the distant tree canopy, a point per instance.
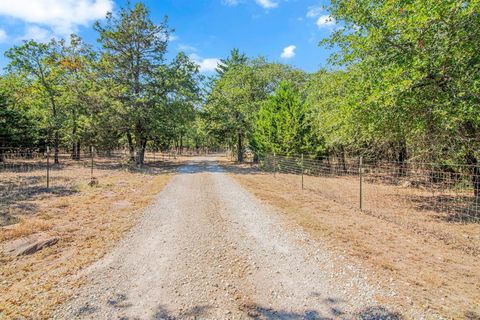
(403, 83)
(281, 126)
(124, 94)
(406, 85)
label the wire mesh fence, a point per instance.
(390, 189)
(26, 173)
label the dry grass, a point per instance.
(88, 221)
(430, 262)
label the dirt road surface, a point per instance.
(207, 249)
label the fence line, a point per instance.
(26, 173)
(451, 191)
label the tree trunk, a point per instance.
(402, 158)
(56, 143)
(343, 162)
(475, 171)
(1, 154)
(131, 149)
(181, 143)
(78, 150)
(74, 151)
(140, 151)
(140, 144)
(240, 147)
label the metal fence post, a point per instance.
(91, 166)
(302, 170)
(274, 165)
(48, 167)
(360, 173)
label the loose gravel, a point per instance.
(207, 249)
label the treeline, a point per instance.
(66, 94)
(404, 85)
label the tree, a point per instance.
(134, 57)
(16, 128)
(177, 99)
(236, 96)
(420, 64)
(77, 60)
(235, 59)
(281, 126)
(38, 64)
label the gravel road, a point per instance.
(207, 249)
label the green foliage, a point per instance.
(125, 94)
(236, 96)
(420, 72)
(405, 85)
(281, 126)
(16, 129)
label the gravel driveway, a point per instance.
(207, 249)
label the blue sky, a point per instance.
(285, 31)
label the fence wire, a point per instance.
(448, 192)
(28, 173)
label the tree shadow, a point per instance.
(378, 313)
(120, 303)
(471, 315)
(263, 313)
(17, 196)
(370, 313)
(246, 168)
(452, 208)
(198, 311)
(18, 192)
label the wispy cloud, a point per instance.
(36, 33)
(325, 21)
(230, 2)
(186, 48)
(62, 17)
(314, 11)
(288, 52)
(322, 20)
(3, 36)
(267, 4)
(205, 64)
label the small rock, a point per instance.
(29, 245)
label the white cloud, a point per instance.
(205, 64)
(267, 4)
(325, 21)
(3, 35)
(36, 33)
(314, 12)
(230, 2)
(288, 52)
(187, 48)
(61, 16)
(209, 64)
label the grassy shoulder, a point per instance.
(88, 223)
(425, 271)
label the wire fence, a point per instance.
(449, 192)
(29, 173)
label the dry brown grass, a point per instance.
(88, 222)
(430, 262)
